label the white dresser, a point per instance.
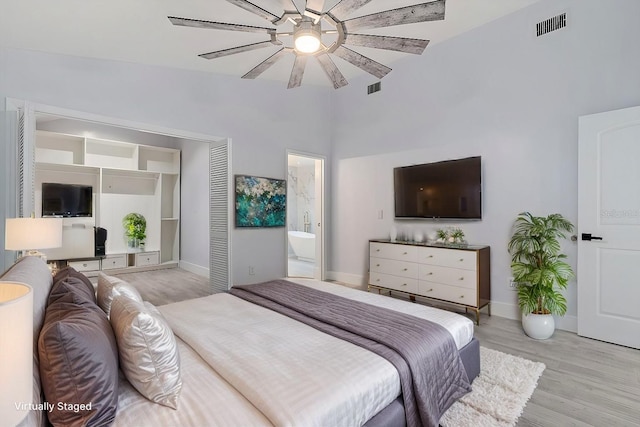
(455, 275)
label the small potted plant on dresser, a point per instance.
(540, 270)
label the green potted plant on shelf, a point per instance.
(540, 270)
(135, 229)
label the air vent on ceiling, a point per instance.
(373, 88)
(551, 24)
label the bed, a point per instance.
(244, 364)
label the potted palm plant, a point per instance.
(540, 270)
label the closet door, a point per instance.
(219, 222)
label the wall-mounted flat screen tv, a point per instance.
(450, 189)
(67, 200)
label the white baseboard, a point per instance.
(512, 311)
(193, 268)
(352, 279)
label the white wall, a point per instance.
(194, 184)
(498, 92)
(262, 118)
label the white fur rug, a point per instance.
(499, 394)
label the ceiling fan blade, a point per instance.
(298, 71)
(289, 5)
(234, 50)
(257, 10)
(264, 65)
(432, 11)
(315, 6)
(399, 44)
(197, 23)
(344, 8)
(367, 64)
(332, 71)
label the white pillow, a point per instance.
(149, 356)
(109, 287)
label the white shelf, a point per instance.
(126, 177)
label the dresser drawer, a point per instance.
(454, 294)
(393, 251)
(448, 276)
(448, 258)
(394, 267)
(89, 265)
(403, 284)
(146, 258)
(114, 261)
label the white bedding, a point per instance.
(268, 369)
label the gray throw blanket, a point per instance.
(432, 376)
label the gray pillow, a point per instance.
(78, 363)
(109, 287)
(149, 356)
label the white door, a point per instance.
(609, 227)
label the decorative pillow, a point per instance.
(72, 272)
(74, 288)
(109, 287)
(149, 356)
(78, 363)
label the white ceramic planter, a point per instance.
(538, 326)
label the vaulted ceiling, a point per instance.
(139, 31)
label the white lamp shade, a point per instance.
(32, 233)
(16, 351)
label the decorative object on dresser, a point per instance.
(30, 234)
(450, 236)
(16, 348)
(539, 270)
(459, 276)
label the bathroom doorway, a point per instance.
(305, 201)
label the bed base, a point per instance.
(393, 415)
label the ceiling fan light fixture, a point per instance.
(306, 36)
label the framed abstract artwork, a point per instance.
(260, 202)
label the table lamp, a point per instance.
(30, 234)
(16, 351)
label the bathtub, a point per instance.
(303, 245)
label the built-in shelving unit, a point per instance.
(126, 177)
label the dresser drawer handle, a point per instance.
(430, 256)
(377, 265)
(404, 284)
(430, 273)
(404, 269)
(430, 290)
(377, 280)
(462, 278)
(461, 259)
(377, 250)
(404, 253)
(461, 296)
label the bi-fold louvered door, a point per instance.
(219, 188)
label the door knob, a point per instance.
(589, 237)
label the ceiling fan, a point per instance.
(311, 25)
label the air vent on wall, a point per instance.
(376, 87)
(551, 24)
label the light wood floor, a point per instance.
(586, 382)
